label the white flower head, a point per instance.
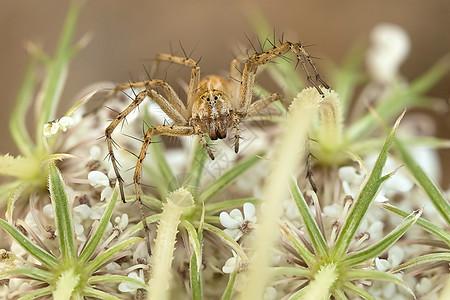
(66, 123)
(98, 180)
(52, 128)
(236, 224)
(395, 257)
(389, 48)
(232, 264)
(129, 287)
(121, 222)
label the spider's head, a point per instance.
(212, 111)
(211, 103)
(211, 97)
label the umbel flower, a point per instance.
(66, 263)
(284, 239)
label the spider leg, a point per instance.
(302, 57)
(188, 62)
(110, 143)
(236, 122)
(256, 107)
(173, 100)
(169, 130)
(205, 144)
(257, 59)
(300, 51)
(172, 106)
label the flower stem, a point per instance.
(320, 287)
(165, 242)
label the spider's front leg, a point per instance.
(184, 61)
(172, 106)
(169, 130)
(258, 59)
(110, 142)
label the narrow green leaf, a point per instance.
(14, 194)
(194, 242)
(227, 177)
(103, 258)
(56, 73)
(307, 256)
(97, 294)
(148, 201)
(34, 273)
(360, 292)
(227, 204)
(316, 236)
(291, 271)
(299, 294)
(339, 294)
(226, 239)
(62, 213)
(152, 219)
(365, 197)
(427, 184)
(115, 279)
(377, 275)
(195, 277)
(428, 226)
(229, 289)
(17, 124)
(195, 171)
(423, 260)
(37, 252)
(157, 154)
(97, 236)
(384, 243)
(38, 293)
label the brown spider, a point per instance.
(214, 103)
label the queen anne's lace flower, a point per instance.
(232, 264)
(389, 49)
(98, 179)
(395, 257)
(129, 287)
(236, 224)
(52, 128)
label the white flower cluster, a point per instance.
(235, 224)
(52, 128)
(389, 49)
(99, 180)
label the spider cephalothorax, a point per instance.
(212, 110)
(214, 104)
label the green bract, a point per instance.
(69, 274)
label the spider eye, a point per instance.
(215, 98)
(207, 99)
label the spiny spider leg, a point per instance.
(166, 105)
(254, 109)
(169, 130)
(188, 62)
(257, 59)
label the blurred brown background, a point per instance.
(127, 34)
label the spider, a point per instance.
(214, 104)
